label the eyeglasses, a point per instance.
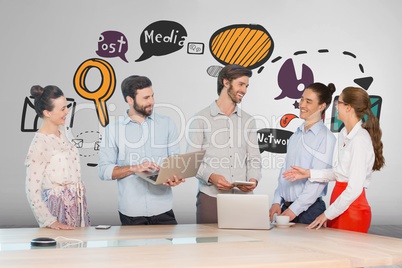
(336, 102)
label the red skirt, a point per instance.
(357, 217)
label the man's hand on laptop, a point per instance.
(174, 181)
(147, 167)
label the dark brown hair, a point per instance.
(44, 98)
(231, 72)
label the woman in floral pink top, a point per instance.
(54, 187)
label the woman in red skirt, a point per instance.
(359, 154)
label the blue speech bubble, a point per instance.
(161, 38)
(112, 44)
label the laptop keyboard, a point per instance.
(153, 177)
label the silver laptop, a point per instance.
(243, 211)
(183, 166)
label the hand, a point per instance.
(174, 182)
(318, 222)
(220, 182)
(290, 213)
(60, 226)
(248, 188)
(147, 167)
(275, 209)
(296, 173)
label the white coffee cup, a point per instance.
(282, 220)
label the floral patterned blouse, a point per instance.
(54, 187)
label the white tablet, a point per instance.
(236, 183)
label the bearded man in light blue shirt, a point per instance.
(138, 142)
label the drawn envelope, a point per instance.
(78, 142)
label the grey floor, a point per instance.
(386, 230)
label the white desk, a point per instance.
(198, 246)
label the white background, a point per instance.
(44, 42)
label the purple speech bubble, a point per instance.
(289, 82)
(112, 44)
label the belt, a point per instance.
(285, 203)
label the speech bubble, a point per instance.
(249, 45)
(273, 140)
(289, 83)
(112, 44)
(285, 120)
(161, 38)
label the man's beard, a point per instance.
(230, 93)
(141, 110)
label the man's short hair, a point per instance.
(131, 84)
(231, 72)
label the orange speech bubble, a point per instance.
(285, 120)
(249, 45)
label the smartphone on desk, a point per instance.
(103, 226)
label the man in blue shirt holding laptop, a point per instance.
(138, 142)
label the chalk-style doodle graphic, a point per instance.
(103, 92)
(285, 120)
(293, 88)
(273, 140)
(214, 70)
(88, 143)
(112, 44)
(195, 48)
(161, 38)
(337, 125)
(290, 84)
(249, 45)
(30, 120)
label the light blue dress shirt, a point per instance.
(126, 142)
(311, 149)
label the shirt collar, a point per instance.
(215, 110)
(314, 128)
(353, 132)
(127, 119)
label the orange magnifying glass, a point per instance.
(103, 92)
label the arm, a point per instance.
(173, 149)
(254, 155)
(358, 166)
(35, 169)
(108, 167)
(198, 125)
(322, 159)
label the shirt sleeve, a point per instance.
(173, 142)
(313, 189)
(195, 138)
(35, 168)
(108, 154)
(254, 155)
(359, 161)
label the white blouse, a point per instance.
(354, 166)
(51, 162)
